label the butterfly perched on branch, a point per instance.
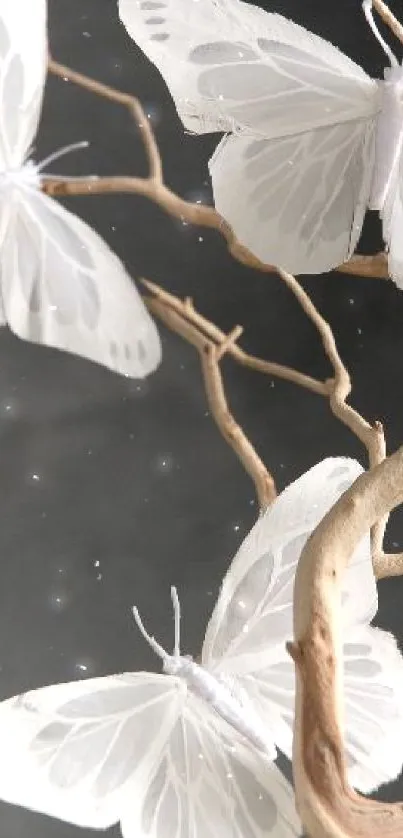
(189, 753)
(311, 141)
(60, 284)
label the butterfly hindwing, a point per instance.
(63, 286)
(373, 690)
(60, 283)
(210, 783)
(303, 197)
(252, 619)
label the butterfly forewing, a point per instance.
(253, 616)
(72, 750)
(222, 60)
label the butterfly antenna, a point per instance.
(150, 640)
(61, 153)
(177, 618)
(367, 9)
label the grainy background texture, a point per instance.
(111, 490)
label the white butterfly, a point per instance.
(312, 141)
(59, 282)
(186, 754)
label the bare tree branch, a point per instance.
(154, 188)
(181, 317)
(193, 326)
(231, 431)
(327, 805)
(211, 351)
(391, 21)
(371, 267)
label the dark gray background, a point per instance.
(112, 490)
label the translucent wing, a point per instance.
(304, 197)
(139, 749)
(373, 704)
(23, 61)
(392, 220)
(230, 65)
(373, 691)
(209, 783)
(252, 619)
(72, 750)
(64, 287)
(246, 637)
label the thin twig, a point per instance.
(339, 388)
(391, 21)
(327, 805)
(231, 431)
(154, 188)
(181, 317)
(211, 352)
(191, 325)
(130, 102)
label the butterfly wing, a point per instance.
(230, 65)
(373, 704)
(391, 213)
(252, 619)
(246, 637)
(71, 750)
(63, 286)
(304, 197)
(209, 783)
(23, 62)
(373, 695)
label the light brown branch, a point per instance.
(391, 21)
(181, 317)
(192, 326)
(154, 188)
(210, 352)
(327, 805)
(371, 267)
(339, 388)
(130, 102)
(231, 431)
(387, 564)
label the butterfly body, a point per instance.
(226, 701)
(26, 176)
(389, 137)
